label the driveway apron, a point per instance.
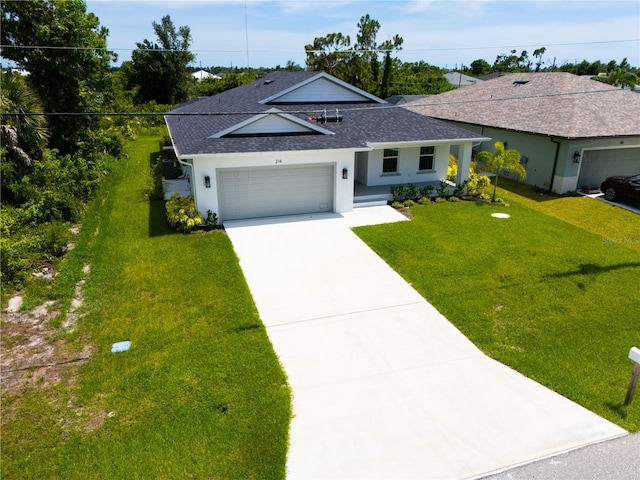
(383, 385)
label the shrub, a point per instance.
(412, 192)
(182, 213)
(427, 191)
(454, 199)
(56, 238)
(397, 205)
(400, 193)
(440, 200)
(409, 203)
(452, 168)
(443, 189)
(459, 190)
(212, 219)
(13, 263)
(424, 201)
(476, 184)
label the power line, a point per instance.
(351, 50)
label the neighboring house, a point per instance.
(303, 142)
(402, 99)
(460, 80)
(571, 131)
(204, 75)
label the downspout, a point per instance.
(555, 164)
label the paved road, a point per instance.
(617, 459)
(383, 385)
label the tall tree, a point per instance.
(160, 70)
(359, 66)
(419, 78)
(479, 68)
(512, 62)
(538, 54)
(367, 53)
(501, 160)
(389, 64)
(71, 73)
(327, 53)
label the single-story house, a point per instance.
(305, 142)
(571, 131)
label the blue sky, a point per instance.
(446, 33)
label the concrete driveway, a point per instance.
(383, 385)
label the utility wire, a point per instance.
(350, 50)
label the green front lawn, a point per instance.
(551, 291)
(200, 394)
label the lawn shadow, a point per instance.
(158, 224)
(618, 408)
(527, 191)
(593, 269)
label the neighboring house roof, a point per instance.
(203, 74)
(458, 79)
(402, 99)
(491, 76)
(550, 103)
(279, 112)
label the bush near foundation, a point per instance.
(182, 213)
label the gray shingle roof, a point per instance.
(192, 123)
(555, 104)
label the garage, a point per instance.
(275, 191)
(600, 164)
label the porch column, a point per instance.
(464, 162)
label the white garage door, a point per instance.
(274, 191)
(600, 164)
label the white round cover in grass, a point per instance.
(500, 215)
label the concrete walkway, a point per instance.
(383, 385)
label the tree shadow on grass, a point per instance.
(593, 269)
(158, 224)
(527, 191)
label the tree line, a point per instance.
(59, 135)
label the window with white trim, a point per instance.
(427, 157)
(390, 160)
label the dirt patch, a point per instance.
(33, 350)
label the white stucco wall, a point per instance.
(209, 165)
(408, 161)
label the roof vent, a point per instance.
(521, 82)
(267, 82)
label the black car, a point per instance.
(617, 188)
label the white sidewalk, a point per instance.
(384, 386)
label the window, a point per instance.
(427, 155)
(390, 160)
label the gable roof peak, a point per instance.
(319, 87)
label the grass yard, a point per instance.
(200, 394)
(551, 291)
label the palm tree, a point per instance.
(23, 134)
(502, 160)
(23, 128)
